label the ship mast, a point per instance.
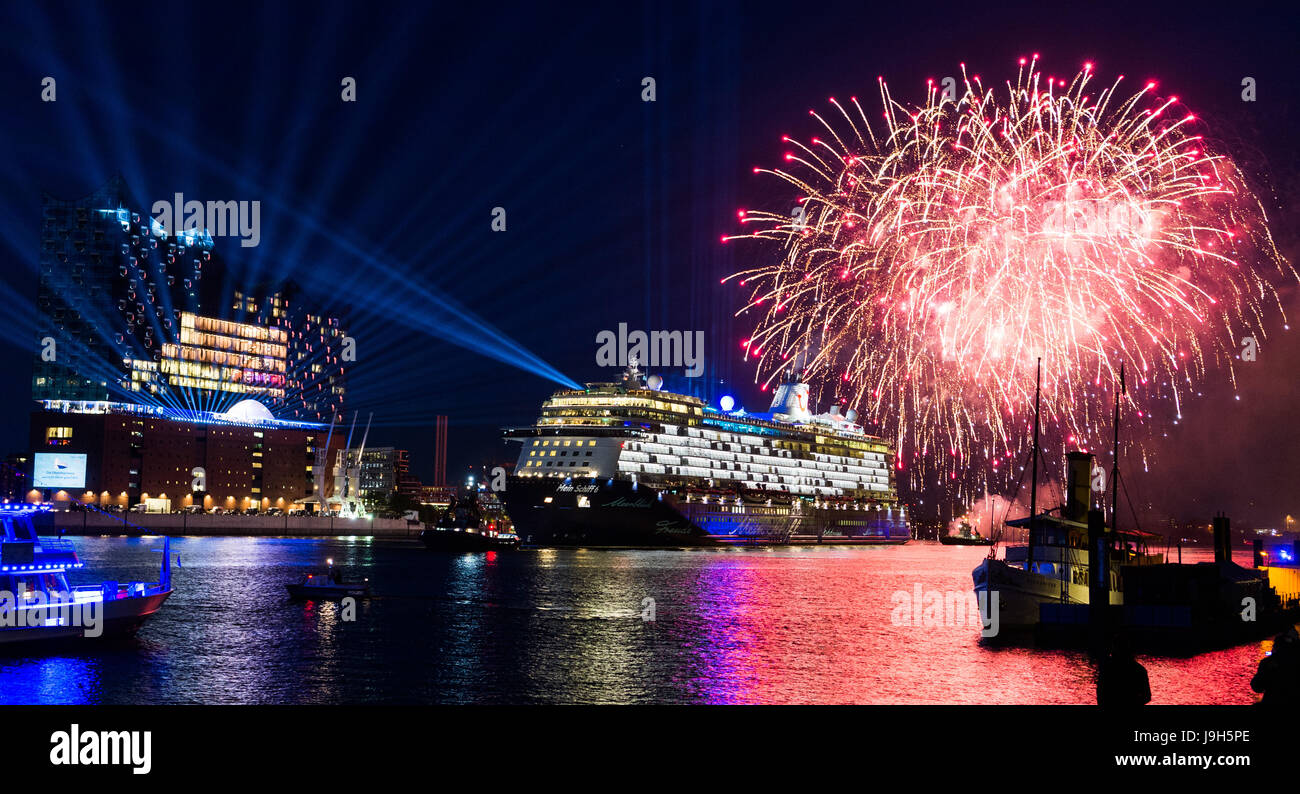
(1033, 488)
(1114, 465)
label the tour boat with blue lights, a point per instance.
(630, 464)
(37, 604)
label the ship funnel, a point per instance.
(791, 400)
(1078, 485)
(835, 409)
(852, 415)
(1222, 539)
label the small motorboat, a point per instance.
(328, 585)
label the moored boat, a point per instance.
(471, 522)
(37, 604)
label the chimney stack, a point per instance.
(1078, 486)
(1222, 539)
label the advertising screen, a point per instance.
(59, 470)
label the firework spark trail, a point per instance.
(941, 252)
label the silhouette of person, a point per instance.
(1278, 677)
(1122, 681)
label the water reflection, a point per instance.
(731, 626)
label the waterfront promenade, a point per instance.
(89, 522)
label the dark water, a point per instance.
(733, 626)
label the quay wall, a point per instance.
(94, 523)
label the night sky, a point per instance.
(614, 206)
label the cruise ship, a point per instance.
(628, 464)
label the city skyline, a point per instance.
(454, 318)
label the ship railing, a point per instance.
(88, 592)
(51, 546)
(115, 591)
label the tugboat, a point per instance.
(328, 585)
(1054, 566)
(36, 603)
(966, 535)
(470, 525)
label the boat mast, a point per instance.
(1114, 464)
(1033, 488)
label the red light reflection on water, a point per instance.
(822, 626)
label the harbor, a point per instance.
(367, 365)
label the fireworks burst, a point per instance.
(930, 258)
